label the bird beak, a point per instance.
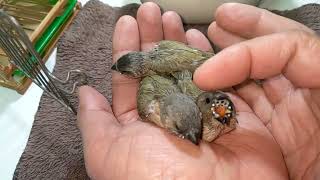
(193, 138)
(114, 67)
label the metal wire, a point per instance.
(18, 47)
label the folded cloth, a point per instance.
(54, 148)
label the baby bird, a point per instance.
(218, 114)
(168, 97)
(160, 101)
(217, 110)
(167, 57)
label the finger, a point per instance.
(295, 54)
(221, 37)
(97, 125)
(150, 25)
(249, 21)
(256, 98)
(196, 39)
(95, 116)
(173, 27)
(124, 89)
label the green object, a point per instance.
(53, 2)
(18, 76)
(52, 30)
(18, 72)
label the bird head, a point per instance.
(218, 106)
(183, 117)
(131, 64)
(193, 134)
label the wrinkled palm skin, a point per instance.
(278, 134)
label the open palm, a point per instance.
(118, 146)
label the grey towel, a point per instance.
(54, 148)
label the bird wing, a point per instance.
(151, 90)
(167, 44)
(186, 85)
(172, 56)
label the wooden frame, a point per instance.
(54, 12)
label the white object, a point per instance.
(195, 11)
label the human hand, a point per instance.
(286, 55)
(117, 146)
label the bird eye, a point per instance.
(207, 100)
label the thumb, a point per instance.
(97, 125)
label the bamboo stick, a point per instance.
(48, 19)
